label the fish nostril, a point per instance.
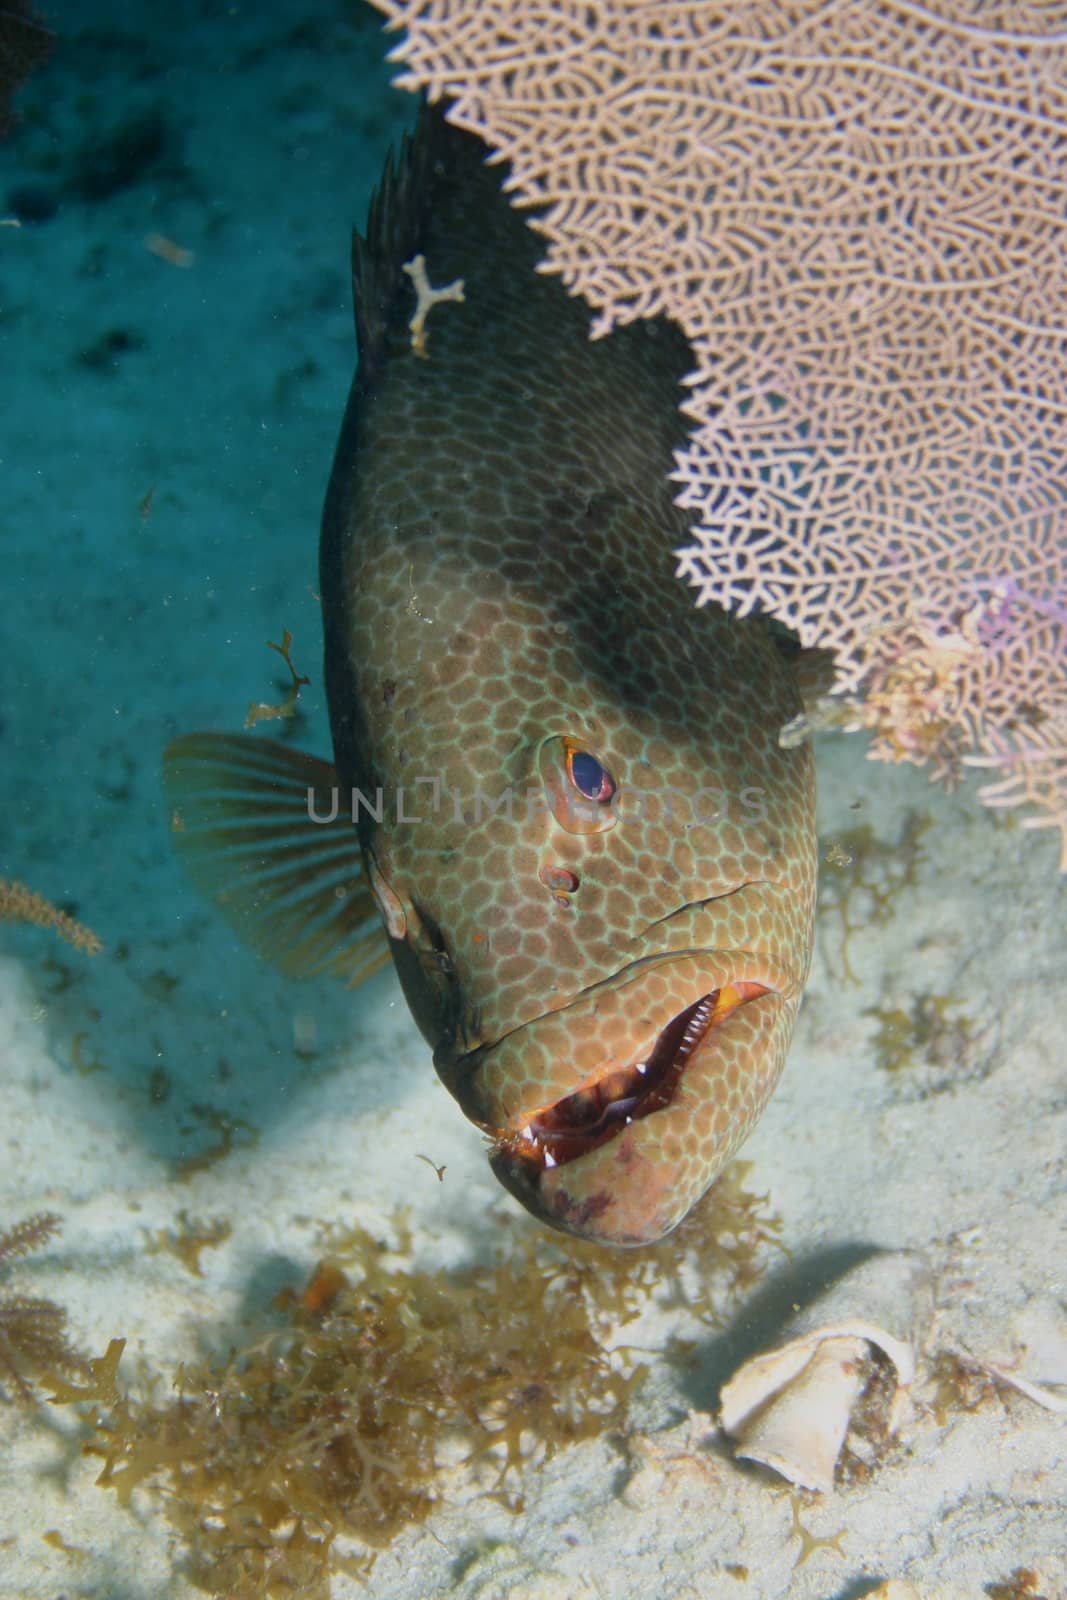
(561, 880)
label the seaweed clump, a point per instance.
(33, 1332)
(864, 877)
(959, 1385)
(390, 1386)
(932, 1042)
(190, 1241)
(1022, 1583)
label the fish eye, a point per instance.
(589, 776)
(578, 786)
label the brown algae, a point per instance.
(391, 1388)
(863, 877)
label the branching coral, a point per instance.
(856, 212)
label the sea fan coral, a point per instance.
(856, 212)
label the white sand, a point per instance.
(120, 631)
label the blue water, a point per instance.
(176, 345)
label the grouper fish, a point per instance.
(556, 783)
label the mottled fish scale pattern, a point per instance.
(499, 589)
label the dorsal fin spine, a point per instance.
(394, 224)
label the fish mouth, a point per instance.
(605, 1106)
(610, 1116)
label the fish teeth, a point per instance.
(698, 1022)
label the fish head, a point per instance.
(608, 966)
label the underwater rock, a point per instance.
(791, 1408)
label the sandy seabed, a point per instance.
(164, 449)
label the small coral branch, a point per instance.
(426, 297)
(19, 904)
(27, 1236)
(33, 1338)
(259, 712)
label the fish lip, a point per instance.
(626, 1191)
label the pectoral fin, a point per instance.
(245, 823)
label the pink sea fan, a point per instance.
(857, 210)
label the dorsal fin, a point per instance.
(395, 220)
